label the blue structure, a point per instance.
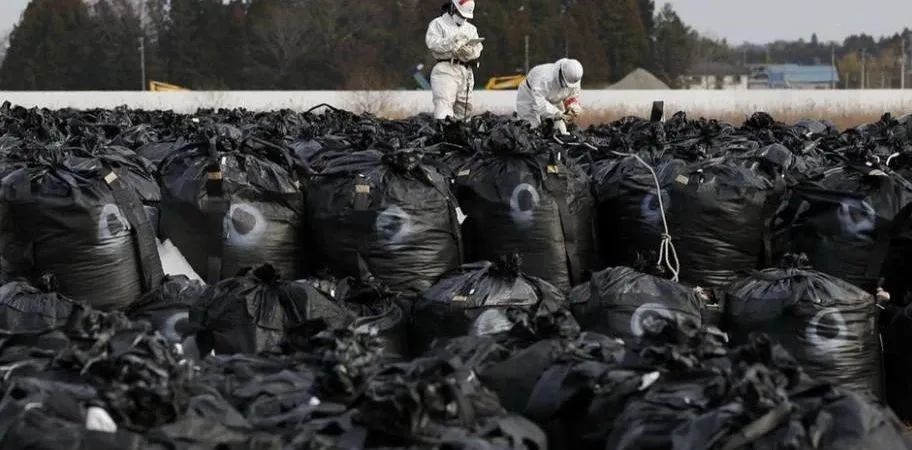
(794, 76)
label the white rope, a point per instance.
(668, 254)
(891, 158)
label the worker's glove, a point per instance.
(882, 296)
(466, 52)
(561, 127)
(460, 41)
(575, 109)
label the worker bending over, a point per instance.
(455, 44)
(551, 91)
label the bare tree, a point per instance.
(281, 38)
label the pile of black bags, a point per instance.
(366, 283)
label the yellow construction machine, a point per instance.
(158, 86)
(508, 82)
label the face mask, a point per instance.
(460, 21)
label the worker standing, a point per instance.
(455, 44)
(551, 91)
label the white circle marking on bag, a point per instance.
(111, 222)
(394, 225)
(521, 216)
(169, 328)
(245, 224)
(645, 312)
(856, 219)
(814, 334)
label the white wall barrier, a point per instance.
(412, 102)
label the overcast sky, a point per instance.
(10, 11)
(761, 21)
(757, 21)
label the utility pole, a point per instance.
(833, 66)
(142, 60)
(902, 64)
(142, 44)
(864, 68)
(527, 54)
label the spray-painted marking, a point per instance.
(523, 203)
(856, 219)
(646, 313)
(830, 335)
(111, 222)
(394, 225)
(245, 224)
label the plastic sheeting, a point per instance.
(392, 211)
(830, 326)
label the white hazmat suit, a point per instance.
(452, 80)
(551, 91)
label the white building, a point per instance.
(716, 76)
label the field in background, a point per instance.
(844, 108)
(842, 119)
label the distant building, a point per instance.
(716, 76)
(793, 76)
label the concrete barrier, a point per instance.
(413, 102)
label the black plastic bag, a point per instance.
(28, 309)
(844, 219)
(897, 333)
(231, 205)
(630, 226)
(628, 304)
(829, 325)
(474, 301)
(520, 200)
(393, 211)
(253, 312)
(81, 217)
(720, 221)
(168, 307)
(378, 311)
(433, 400)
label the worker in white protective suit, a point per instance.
(551, 91)
(455, 44)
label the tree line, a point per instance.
(354, 44)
